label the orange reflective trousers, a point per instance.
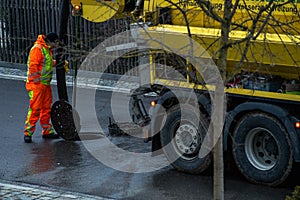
(40, 100)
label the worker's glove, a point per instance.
(135, 14)
(66, 66)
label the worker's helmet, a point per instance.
(51, 37)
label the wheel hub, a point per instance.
(187, 139)
(271, 146)
(261, 148)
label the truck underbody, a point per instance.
(260, 86)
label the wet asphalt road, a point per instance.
(72, 166)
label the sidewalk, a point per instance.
(15, 190)
(85, 79)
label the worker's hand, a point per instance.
(135, 14)
(66, 66)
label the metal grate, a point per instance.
(22, 20)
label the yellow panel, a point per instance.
(271, 53)
(99, 11)
(265, 94)
(246, 11)
(240, 91)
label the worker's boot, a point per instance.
(51, 136)
(27, 139)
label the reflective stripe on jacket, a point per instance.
(40, 63)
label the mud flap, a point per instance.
(65, 120)
(140, 115)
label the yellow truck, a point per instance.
(261, 85)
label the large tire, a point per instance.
(182, 141)
(262, 149)
(65, 120)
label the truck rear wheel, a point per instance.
(182, 137)
(262, 149)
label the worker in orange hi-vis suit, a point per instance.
(39, 74)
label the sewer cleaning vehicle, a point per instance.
(262, 117)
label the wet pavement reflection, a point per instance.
(70, 165)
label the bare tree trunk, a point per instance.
(218, 171)
(218, 150)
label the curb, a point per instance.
(18, 190)
(94, 80)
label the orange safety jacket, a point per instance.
(39, 74)
(40, 63)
